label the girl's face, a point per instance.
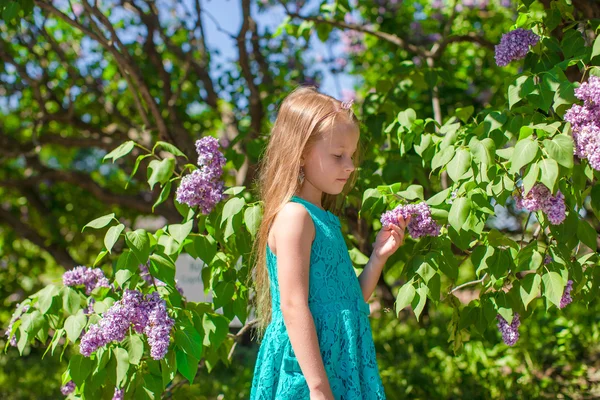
(329, 163)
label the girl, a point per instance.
(318, 342)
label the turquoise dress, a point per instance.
(341, 319)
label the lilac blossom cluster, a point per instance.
(147, 315)
(15, 318)
(540, 198)
(91, 278)
(510, 333)
(514, 45)
(420, 224)
(68, 388)
(203, 186)
(150, 280)
(566, 299)
(585, 122)
(118, 394)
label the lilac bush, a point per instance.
(539, 198)
(91, 278)
(203, 186)
(566, 299)
(510, 332)
(68, 388)
(421, 223)
(514, 45)
(585, 122)
(147, 315)
(15, 318)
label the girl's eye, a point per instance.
(340, 156)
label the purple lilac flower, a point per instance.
(510, 333)
(540, 198)
(209, 156)
(158, 329)
(68, 388)
(199, 189)
(585, 122)
(514, 45)
(91, 278)
(15, 318)
(203, 186)
(118, 395)
(421, 223)
(548, 259)
(566, 299)
(147, 315)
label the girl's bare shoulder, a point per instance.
(292, 223)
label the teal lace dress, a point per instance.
(341, 319)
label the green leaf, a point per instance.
(596, 47)
(553, 287)
(112, 235)
(206, 247)
(216, 328)
(100, 222)
(252, 218)
(483, 151)
(122, 358)
(187, 365)
(234, 190)
(168, 147)
(79, 368)
(136, 166)
(231, 208)
(162, 268)
(74, 324)
(560, 148)
(441, 158)
(549, 173)
(164, 195)
(438, 198)
(357, 257)
(587, 234)
(160, 171)
(139, 243)
(71, 300)
(406, 294)
(525, 152)
(420, 300)
(460, 164)
(180, 232)
(45, 298)
(464, 113)
(189, 340)
(135, 348)
(120, 151)
(122, 276)
(530, 288)
(413, 192)
(519, 89)
(531, 178)
(461, 207)
(406, 118)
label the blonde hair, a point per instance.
(303, 117)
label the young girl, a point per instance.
(318, 343)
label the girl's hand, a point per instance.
(389, 239)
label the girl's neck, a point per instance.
(311, 194)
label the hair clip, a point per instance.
(347, 104)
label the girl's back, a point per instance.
(341, 320)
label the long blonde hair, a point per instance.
(303, 117)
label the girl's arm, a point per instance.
(388, 240)
(294, 231)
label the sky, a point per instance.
(229, 15)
